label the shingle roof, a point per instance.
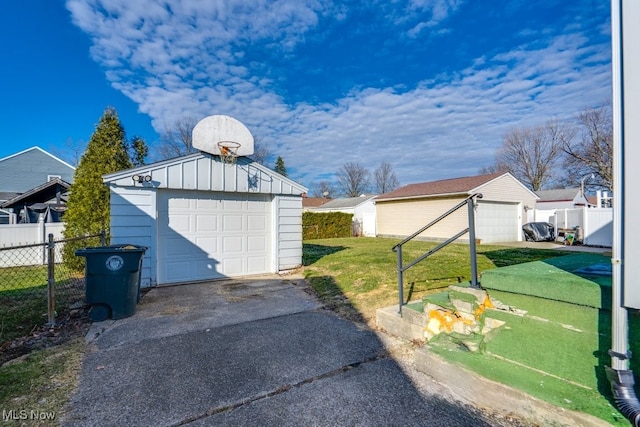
(314, 202)
(562, 194)
(442, 187)
(40, 194)
(347, 202)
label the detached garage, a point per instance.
(499, 214)
(207, 216)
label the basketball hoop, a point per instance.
(228, 151)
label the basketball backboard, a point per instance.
(218, 128)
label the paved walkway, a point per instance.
(251, 352)
(556, 246)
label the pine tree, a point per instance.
(280, 167)
(88, 205)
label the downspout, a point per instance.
(619, 374)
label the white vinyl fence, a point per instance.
(596, 223)
(27, 234)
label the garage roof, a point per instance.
(204, 171)
(346, 202)
(446, 187)
(563, 194)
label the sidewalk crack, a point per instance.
(283, 389)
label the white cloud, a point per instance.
(179, 58)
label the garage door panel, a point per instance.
(177, 247)
(232, 222)
(256, 243)
(207, 244)
(233, 266)
(207, 267)
(208, 204)
(256, 223)
(209, 235)
(177, 202)
(180, 223)
(231, 205)
(497, 222)
(257, 263)
(177, 271)
(232, 245)
(206, 223)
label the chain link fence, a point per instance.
(36, 286)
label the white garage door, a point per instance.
(498, 222)
(208, 235)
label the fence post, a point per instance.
(103, 238)
(42, 237)
(585, 225)
(51, 282)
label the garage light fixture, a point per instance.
(140, 178)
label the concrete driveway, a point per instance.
(251, 352)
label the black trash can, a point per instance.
(112, 280)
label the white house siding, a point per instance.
(289, 232)
(132, 222)
(405, 217)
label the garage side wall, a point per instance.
(288, 232)
(132, 222)
(401, 218)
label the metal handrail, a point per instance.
(469, 201)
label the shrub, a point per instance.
(326, 225)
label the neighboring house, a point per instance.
(27, 172)
(499, 214)
(202, 219)
(362, 208)
(48, 199)
(309, 203)
(566, 198)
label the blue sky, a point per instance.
(430, 86)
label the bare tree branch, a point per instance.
(532, 154)
(176, 140)
(385, 178)
(260, 152)
(591, 150)
(353, 179)
(323, 189)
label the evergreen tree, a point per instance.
(139, 151)
(88, 205)
(280, 167)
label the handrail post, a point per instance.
(400, 281)
(472, 243)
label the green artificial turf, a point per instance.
(554, 279)
(581, 317)
(534, 383)
(556, 335)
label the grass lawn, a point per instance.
(23, 297)
(356, 276)
(42, 381)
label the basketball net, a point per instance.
(228, 151)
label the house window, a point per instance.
(52, 177)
